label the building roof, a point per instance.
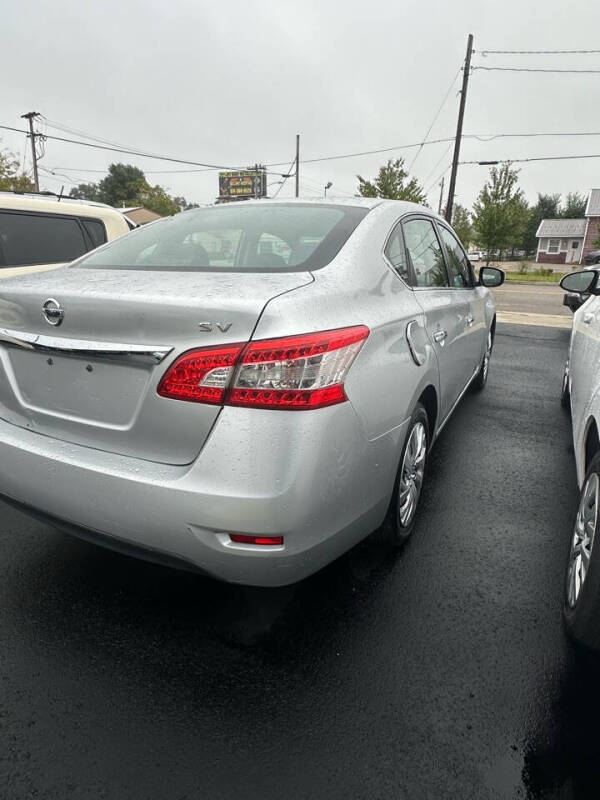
(593, 204)
(561, 227)
(140, 215)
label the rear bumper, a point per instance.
(312, 477)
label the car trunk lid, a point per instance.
(92, 378)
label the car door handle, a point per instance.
(587, 318)
(440, 336)
(469, 320)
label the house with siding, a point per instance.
(567, 241)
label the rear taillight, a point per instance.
(201, 376)
(294, 372)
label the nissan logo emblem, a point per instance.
(53, 313)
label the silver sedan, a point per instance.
(246, 389)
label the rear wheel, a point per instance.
(582, 579)
(480, 380)
(400, 520)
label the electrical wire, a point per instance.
(128, 152)
(531, 69)
(535, 52)
(438, 162)
(435, 119)
(438, 179)
(285, 177)
(491, 162)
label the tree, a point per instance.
(393, 183)
(461, 222)
(11, 179)
(547, 207)
(126, 185)
(574, 207)
(500, 213)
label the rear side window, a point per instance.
(237, 237)
(95, 230)
(458, 264)
(425, 254)
(395, 253)
(39, 239)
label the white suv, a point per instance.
(45, 231)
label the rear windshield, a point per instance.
(235, 237)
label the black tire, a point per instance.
(582, 618)
(480, 380)
(394, 532)
(565, 394)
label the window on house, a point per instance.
(575, 245)
(564, 244)
(543, 244)
(553, 245)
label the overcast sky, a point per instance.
(232, 81)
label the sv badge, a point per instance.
(208, 327)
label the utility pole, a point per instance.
(459, 127)
(441, 196)
(297, 165)
(31, 115)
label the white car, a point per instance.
(476, 255)
(581, 392)
(44, 231)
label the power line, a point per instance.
(523, 160)
(444, 140)
(128, 152)
(536, 52)
(438, 162)
(435, 119)
(528, 69)
(438, 179)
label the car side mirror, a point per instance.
(491, 277)
(581, 282)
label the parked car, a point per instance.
(581, 393)
(251, 418)
(476, 255)
(44, 231)
(591, 258)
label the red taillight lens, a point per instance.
(240, 538)
(201, 376)
(297, 372)
(293, 372)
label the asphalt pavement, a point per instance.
(532, 304)
(441, 671)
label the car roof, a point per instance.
(400, 206)
(56, 204)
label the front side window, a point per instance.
(395, 253)
(458, 264)
(27, 239)
(236, 237)
(553, 245)
(425, 254)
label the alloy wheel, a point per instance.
(412, 473)
(583, 539)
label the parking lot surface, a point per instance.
(441, 671)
